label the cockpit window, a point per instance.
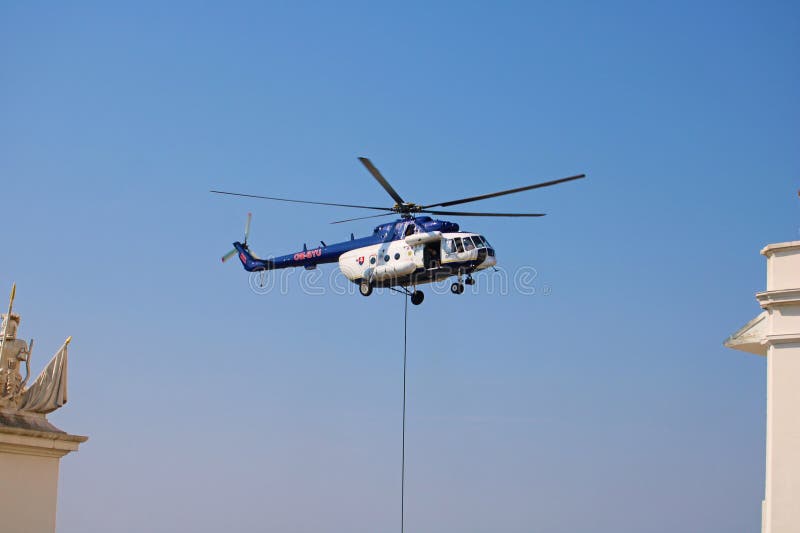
(479, 241)
(486, 242)
(459, 246)
(448, 246)
(468, 244)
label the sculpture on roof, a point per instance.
(48, 391)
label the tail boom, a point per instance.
(249, 261)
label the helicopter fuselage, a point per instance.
(405, 252)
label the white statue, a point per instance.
(49, 390)
(13, 354)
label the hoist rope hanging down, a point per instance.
(403, 461)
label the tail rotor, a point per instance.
(246, 236)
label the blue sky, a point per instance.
(603, 402)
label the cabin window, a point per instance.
(459, 246)
(448, 246)
(410, 230)
(372, 260)
(386, 258)
(396, 256)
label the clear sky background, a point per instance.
(604, 402)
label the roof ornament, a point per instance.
(48, 391)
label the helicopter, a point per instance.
(412, 250)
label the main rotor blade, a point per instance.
(453, 213)
(298, 201)
(362, 218)
(378, 176)
(501, 193)
(470, 214)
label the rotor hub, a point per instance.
(406, 208)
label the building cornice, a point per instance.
(32, 434)
(780, 297)
(785, 338)
(780, 247)
(40, 443)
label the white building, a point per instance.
(775, 334)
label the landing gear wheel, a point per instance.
(457, 288)
(469, 281)
(365, 288)
(417, 297)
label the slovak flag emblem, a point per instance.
(361, 260)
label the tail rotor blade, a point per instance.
(229, 255)
(247, 227)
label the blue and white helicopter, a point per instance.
(412, 250)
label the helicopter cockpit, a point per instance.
(466, 243)
(461, 247)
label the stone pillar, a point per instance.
(775, 333)
(30, 451)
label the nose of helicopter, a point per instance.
(490, 260)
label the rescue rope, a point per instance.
(403, 462)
